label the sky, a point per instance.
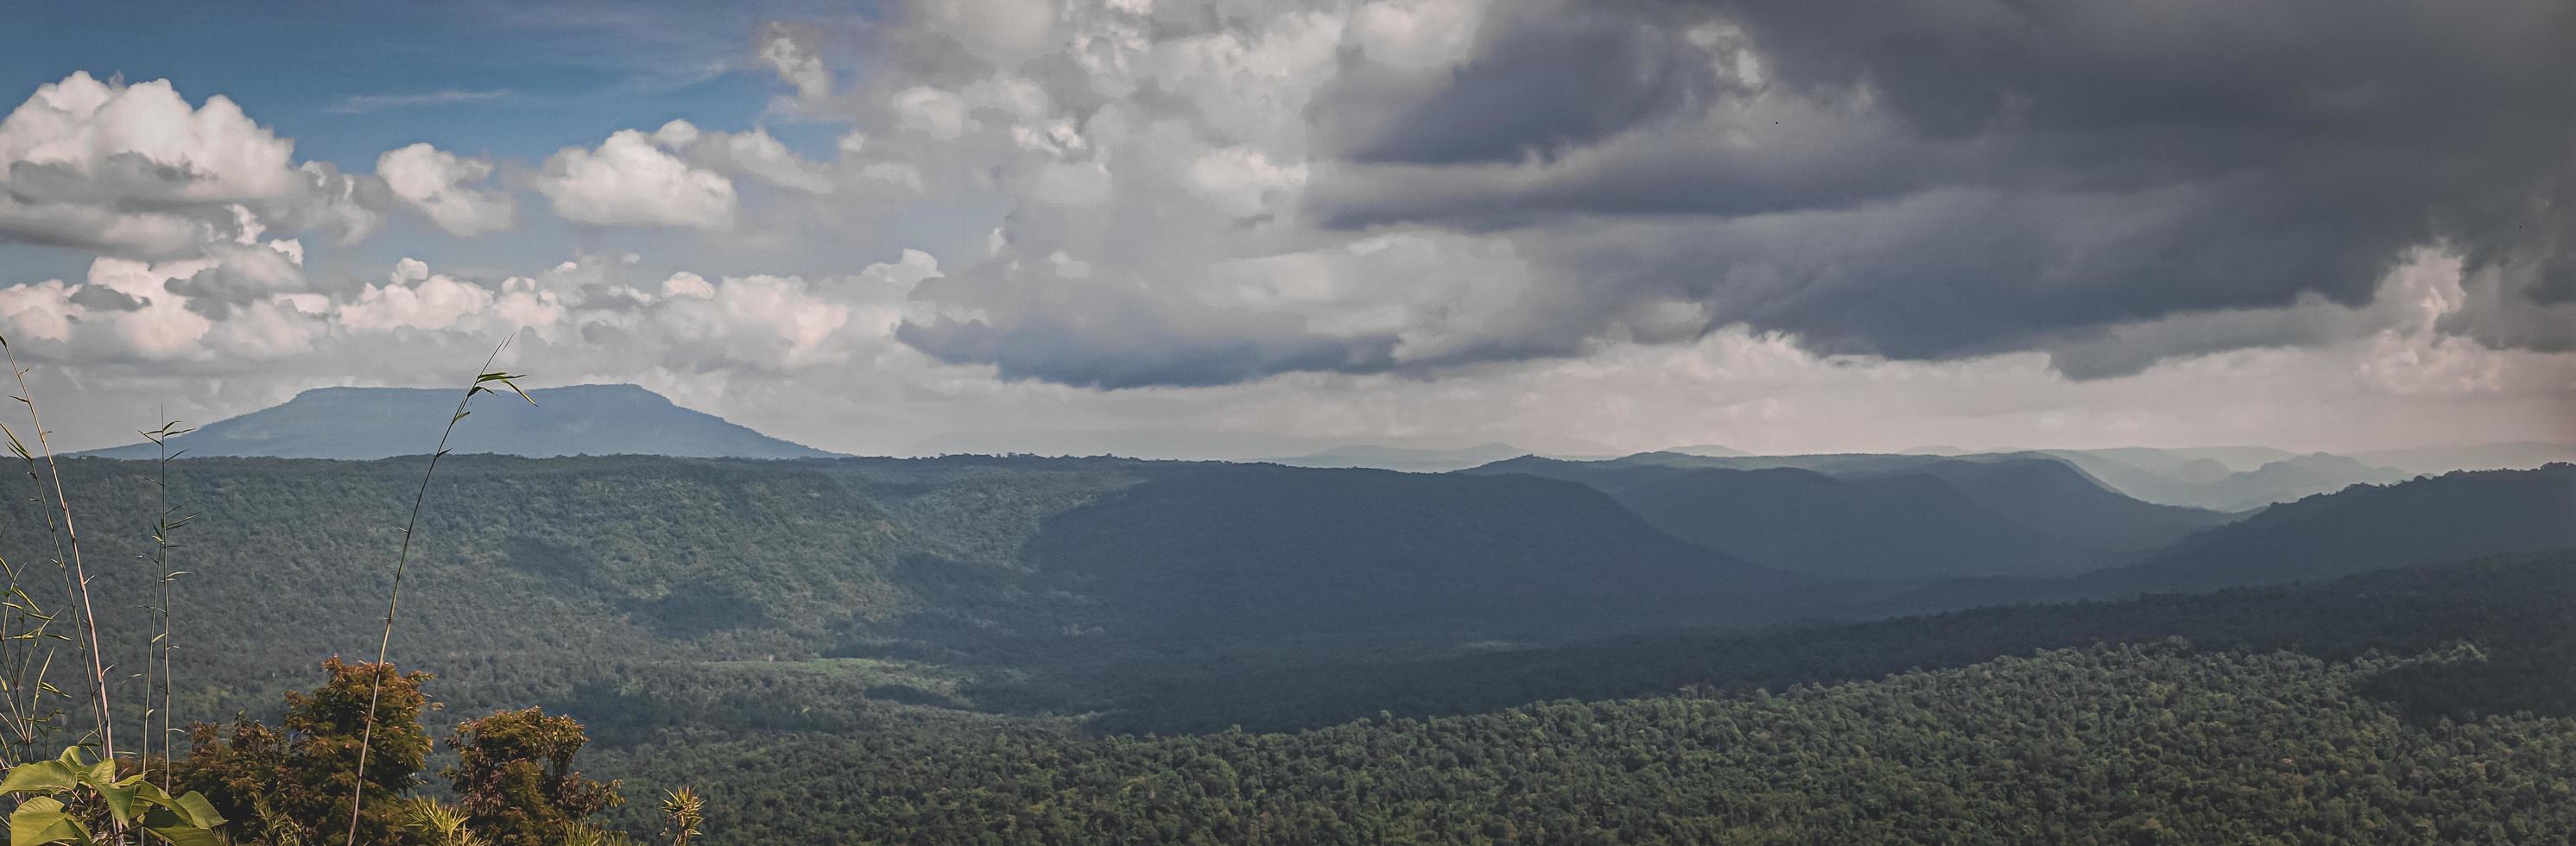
(1220, 228)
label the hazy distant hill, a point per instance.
(1884, 516)
(1407, 459)
(370, 423)
(2194, 478)
(1895, 526)
(2518, 455)
(2453, 517)
(1251, 549)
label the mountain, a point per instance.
(1896, 526)
(2061, 498)
(2204, 479)
(2453, 517)
(1884, 516)
(535, 576)
(1708, 450)
(371, 423)
(1406, 459)
(2293, 478)
(1253, 549)
(2518, 455)
(2236, 458)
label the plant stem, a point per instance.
(402, 561)
(80, 575)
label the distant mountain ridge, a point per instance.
(1884, 516)
(2457, 516)
(372, 423)
(2181, 477)
(1405, 459)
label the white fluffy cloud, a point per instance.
(444, 186)
(127, 310)
(629, 179)
(134, 169)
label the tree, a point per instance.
(296, 780)
(514, 777)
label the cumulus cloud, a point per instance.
(630, 179)
(155, 314)
(134, 170)
(443, 186)
(755, 154)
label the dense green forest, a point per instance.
(976, 649)
(2126, 744)
(2513, 607)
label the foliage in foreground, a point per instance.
(290, 784)
(73, 800)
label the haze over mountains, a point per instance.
(368, 423)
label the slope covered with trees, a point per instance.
(2452, 517)
(1884, 516)
(2130, 744)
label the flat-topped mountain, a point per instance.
(370, 423)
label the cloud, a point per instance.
(441, 185)
(135, 170)
(128, 311)
(2012, 177)
(1646, 222)
(794, 51)
(755, 154)
(1004, 32)
(629, 180)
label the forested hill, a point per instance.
(1256, 549)
(1884, 516)
(2510, 605)
(370, 423)
(529, 570)
(2430, 701)
(2453, 517)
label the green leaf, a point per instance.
(174, 828)
(119, 798)
(200, 812)
(187, 836)
(42, 820)
(35, 776)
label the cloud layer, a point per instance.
(1413, 216)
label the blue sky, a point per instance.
(350, 80)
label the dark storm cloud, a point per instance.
(1930, 180)
(1139, 343)
(1539, 91)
